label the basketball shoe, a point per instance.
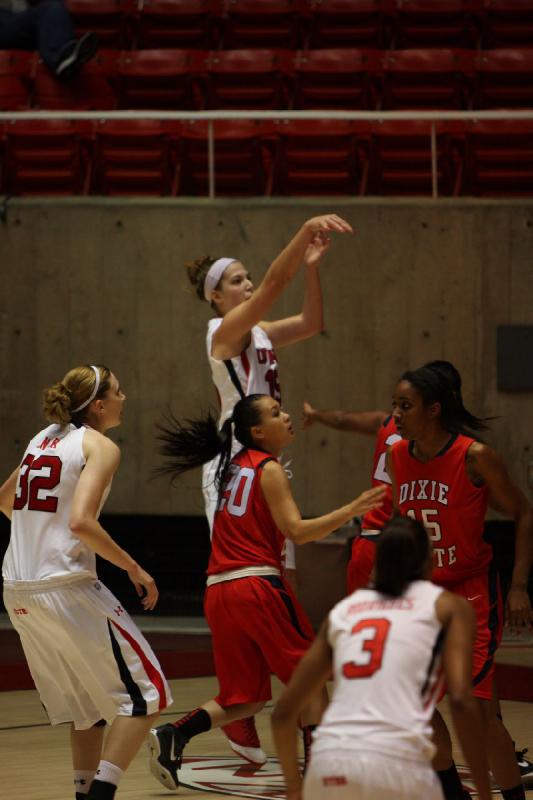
(244, 741)
(525, 766)
(166, 744)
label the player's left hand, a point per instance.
(518, 612)
(308, 415)
(316, 249)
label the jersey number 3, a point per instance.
(369, 637)
(31, 486)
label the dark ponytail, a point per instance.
(193, 442)
(453, 376)
(435, 386)
(402, 555)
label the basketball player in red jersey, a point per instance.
(257, 625)
(372, 423)
(445, 478)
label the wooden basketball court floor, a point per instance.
(35, 758)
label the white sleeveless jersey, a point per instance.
(255, 370)
(41, 547)
(387, 673)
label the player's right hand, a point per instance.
(326, 223)
(371, 498)
(145, 587)
(308, 415)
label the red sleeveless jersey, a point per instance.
(387, 435)
(441, 496)
(244, 533)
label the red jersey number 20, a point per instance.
(237, 492)
(367, 644)
(32, 487)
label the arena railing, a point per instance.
(212, 116)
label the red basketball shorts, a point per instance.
(361, 564)
(258, 628)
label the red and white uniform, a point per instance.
(364, 546)
(374, 740)
(87, 657)
(258, 626)
(440, 494)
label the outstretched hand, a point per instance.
(328, 223)
(308, 415)
(371, 498)
(145, 587)
(316, 249)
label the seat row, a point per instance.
(297, 158)
(275, 79)
(230, 24)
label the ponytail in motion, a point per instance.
(402, 555)
(194, 442)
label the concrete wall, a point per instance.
(102, 281)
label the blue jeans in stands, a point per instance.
(46, 27)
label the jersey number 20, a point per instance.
(369, 637)
(30, 485)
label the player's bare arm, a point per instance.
(485, 465)
(233, 334)
(278, 495)
(367, 423)
(7, 493)
(458, 619)
(310, 675)
(390, 472)
(102, 459)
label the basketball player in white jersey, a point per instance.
(240, 350)
(89, 662)
(387, 648)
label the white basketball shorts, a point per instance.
(88, 659)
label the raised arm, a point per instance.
(483, 463)
(7, 493)
(458, 619)
(231, 336)
(364, 422)
(278, 495)
(309, 676)
(102, 459)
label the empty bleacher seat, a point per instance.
(429, 78)
(499, 158)
(95, 86)
(317, 157)
(337, 78)
(135, 157)
(164, 79)
(249, 79)
(401, 160)
(504, 78)
(242, 164)
(111, 20)
(507, 23)
(437, 23)
(348, 23)
(179, 23)
(261, 23)
(16, 72)
(47, 157)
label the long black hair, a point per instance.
(440, 382)
(194, 442)
(402, 555)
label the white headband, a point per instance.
(93, 393)
(214, 274)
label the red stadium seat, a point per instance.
(2, 157)
(249, 79)
(348, 23)
(430, 78)
(161, 79)
(47, 157)
(241, 164)
(17, 68)
(499, 158)
(261, 23)
(341, 79)
(437, 23)
(508, 23)
(401, 158)
(317, 157)
(134, 157)
(93, 88)
(109, 19)
(504, 79)
(179, 23)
